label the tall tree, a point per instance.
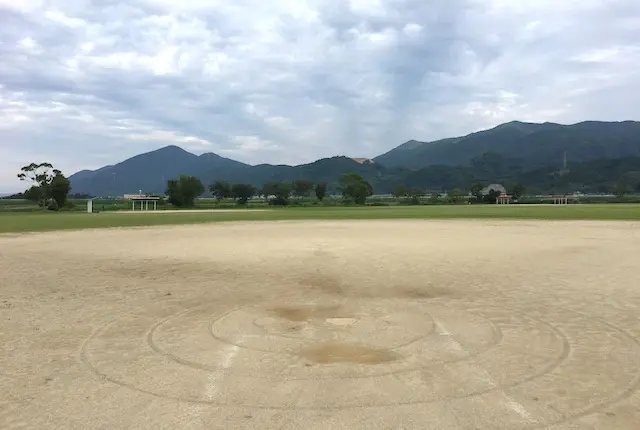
(517, 191)
(456, 195)
(183, 191)
(47, 183)
(355, 188)
(620, 189)
(414, 195)
(280, 192)
(59, 188)
(434, 197)
(243, 192)
(40, 176)
(491, 196)
(221, 190)
(476, 191)
(34, 194)
(321, 190)
(302, 187)
(400, 191)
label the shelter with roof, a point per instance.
(147, 202)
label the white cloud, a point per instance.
(88, 82)
(412, 29)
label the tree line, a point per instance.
(183, 191)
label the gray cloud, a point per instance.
(85, 83)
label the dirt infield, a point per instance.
(341, 324)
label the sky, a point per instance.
(86, 83)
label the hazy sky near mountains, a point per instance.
(84, 83)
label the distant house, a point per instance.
(494, 187)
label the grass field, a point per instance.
(26, 222)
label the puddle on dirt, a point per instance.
(348, 353)
(305, 313)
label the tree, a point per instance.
(49, 185)
(414, 195)
(632, 180)
(302, 187)
(355, 188)
(243, 192)
(321, 190)
(59, 188)
(34, 194)
(183, 191)
(221, 190)
(400, 191)
(280, 192)
(476, 192)
(517, 191)
(620, 190)
(40, 175)
(491, 196)
(434, 197)
(456, 195)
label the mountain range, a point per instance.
(512, 152)
(535, 145)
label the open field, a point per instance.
(322, 324)
(43, 221)
(121, 204)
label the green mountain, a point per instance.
(535, 145)
(150, 172)
(600, 156)
(594, 176)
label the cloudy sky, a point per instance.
(84, 83)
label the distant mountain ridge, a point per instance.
(506, 151)
(149, 172)
(534, 144)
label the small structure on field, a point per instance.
(146, 202)
(504, 200)
(560, 200)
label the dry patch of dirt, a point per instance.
(347, 353)
(305, 313)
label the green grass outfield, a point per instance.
(26, 222)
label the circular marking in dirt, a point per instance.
(179, 338)
(556, 374)
(168, 337)
(381, 323)
(468, 351)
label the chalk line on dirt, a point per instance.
(483, 374)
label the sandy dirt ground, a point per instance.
(314, 325)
